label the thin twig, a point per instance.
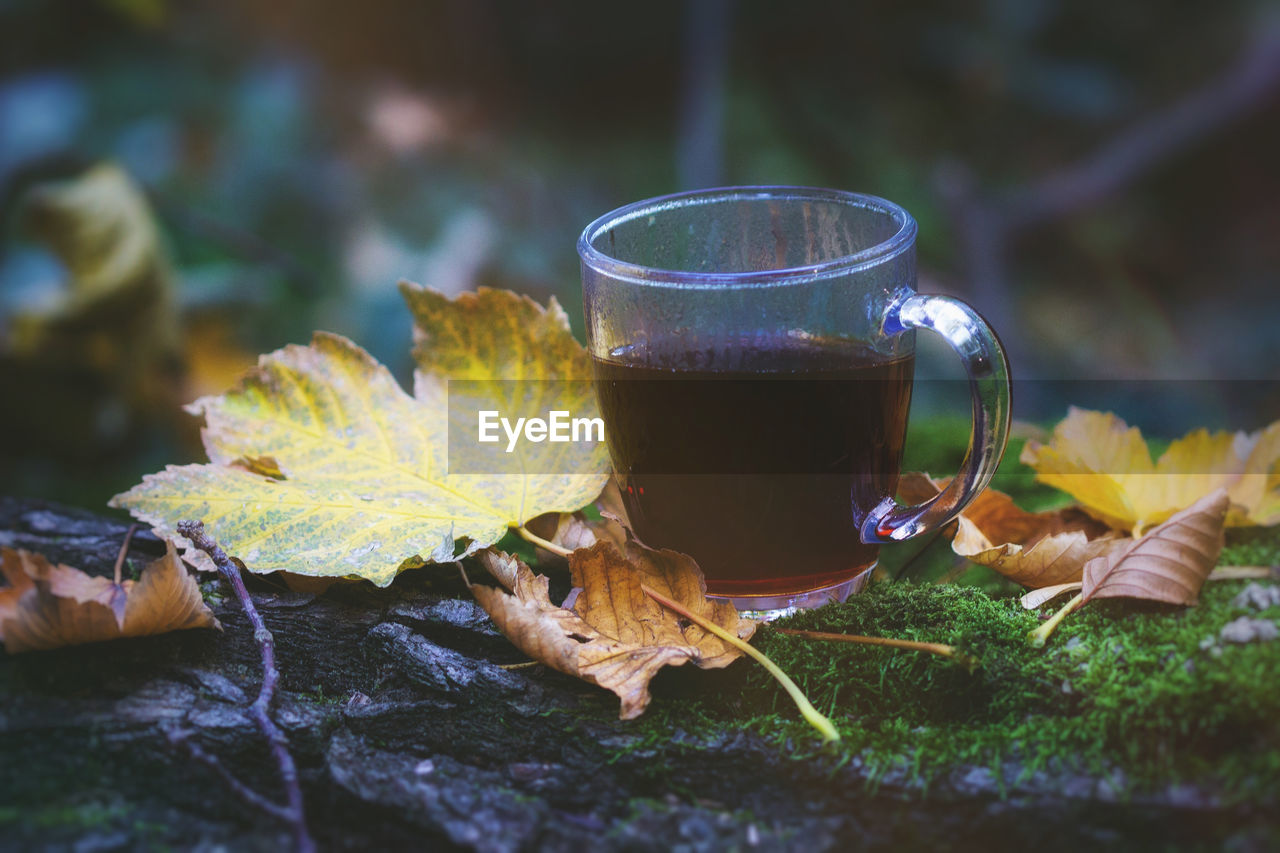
(293, 812)
(238, 241)
(940, 649)
(543, 543)
(988, 223)
(240, 789)
(1249, 84)
(124, 552)
(810, 713)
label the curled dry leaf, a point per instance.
(573, 530)
(1106, 465)
(1035, 549)
(1170, 563)
(321, 465)
(614, 636)
(47, 606)
(1045, 594)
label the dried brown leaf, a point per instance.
(615, 636)
(1170, 563)
(525, 614)
(1035, 549)
(66, 582)
(47, 606)
(21, 569)
(1045, 594)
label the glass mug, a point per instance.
(753, 352)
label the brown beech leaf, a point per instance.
(1170, 563)
(47, 606)
(1035, 549)
(614, 636)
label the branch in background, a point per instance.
(700, 140)
(986, 224)
(1243, 88)
(292, 812)
(238, 241)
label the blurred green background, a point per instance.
(1098, 178)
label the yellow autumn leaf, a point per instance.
(462, 346)
(1106, 465)
(320, 464)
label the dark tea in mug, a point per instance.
(756, 459)
(753, 351)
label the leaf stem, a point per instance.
(941, 649)
(124, 552)
(543, 543)
(1036, 639)
(810, 713)
(1235, 573)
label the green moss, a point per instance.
(1122, 685)
(85, 816)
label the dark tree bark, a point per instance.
(408, 733)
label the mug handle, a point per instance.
(979, 348)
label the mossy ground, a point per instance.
(1125, 686)
(1120, 686)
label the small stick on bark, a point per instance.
(292, 812)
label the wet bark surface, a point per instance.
(408, 732)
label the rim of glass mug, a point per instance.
(900, 241)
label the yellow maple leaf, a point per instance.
(320, 464)
(1106, 465)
